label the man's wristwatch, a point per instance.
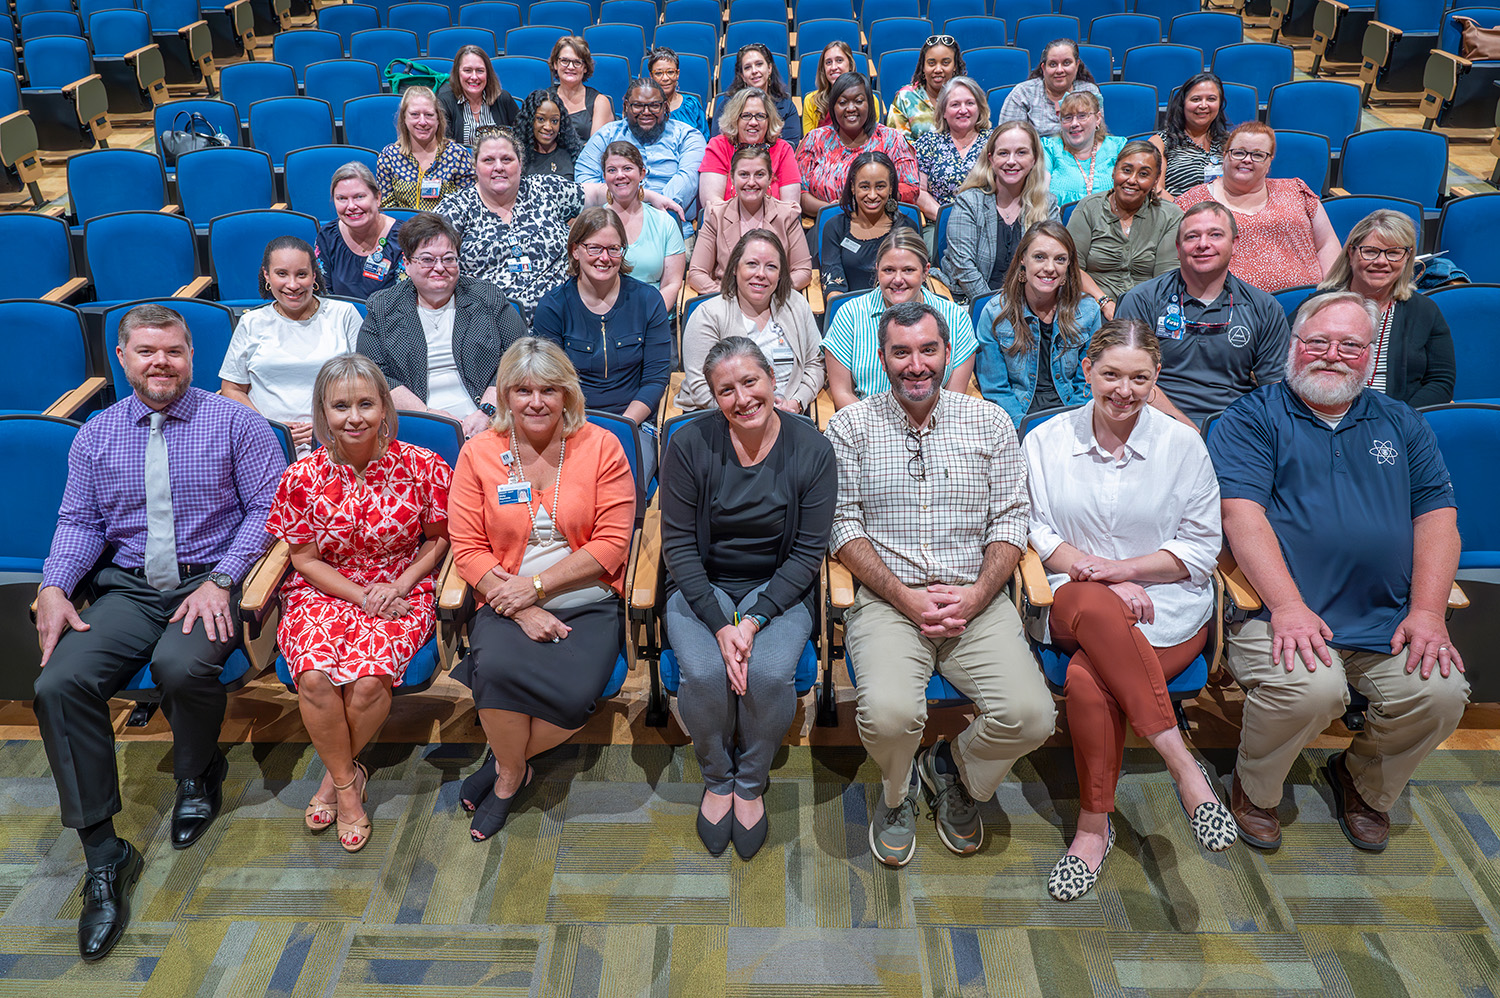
(223, 580)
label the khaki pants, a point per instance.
(989, 663)
(1408, 716)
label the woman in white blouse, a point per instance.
(1125, 516)
(277, 349)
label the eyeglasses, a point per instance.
(940, 40)
(754, 116)
(639, 106)
(595, 251)
(571, 63)
(670, 74)
(1393, 254)
(915, 466)
(429, 262)
(1347, 349)
(1069, 119)
(1255, 156)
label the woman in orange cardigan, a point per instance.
(541, 512)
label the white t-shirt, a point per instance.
(279, 358)
(445, 388)
(541, 556)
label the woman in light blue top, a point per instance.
(1081, 158)
(1033, 333)
(665, 68)
(851, 347)
(655, 250)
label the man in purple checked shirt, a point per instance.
(177, 482)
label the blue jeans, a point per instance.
(736, 736)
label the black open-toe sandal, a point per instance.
(490, 815)
(477, 785)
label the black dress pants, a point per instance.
(129, 625)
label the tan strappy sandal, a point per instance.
(362, 826)
(319, 806)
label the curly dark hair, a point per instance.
(567, 135)
(1177, 136)
(864, 159)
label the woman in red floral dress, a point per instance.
(367, 521)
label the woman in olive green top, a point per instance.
(1128, 234)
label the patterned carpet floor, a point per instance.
(599, 887)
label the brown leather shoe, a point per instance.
(1362, 825)
(1258, 827)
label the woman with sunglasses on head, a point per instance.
(1060, 72)
(825, 153)
(836, 59)
(1192, 144)
(666, 69)
(547, 135)
(749, 118)
(751, 207)
(571, 66)
(869, 214)
(1286, 240)
(1413, 345)
(914, 108)
(754, 66)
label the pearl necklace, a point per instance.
(562, 454)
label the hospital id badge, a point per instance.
(432, 187)
(510, 493)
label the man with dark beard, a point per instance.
(176, 483)
(932, 517)
(673, 150)
(1338, 507)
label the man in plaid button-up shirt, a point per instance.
(931, 519)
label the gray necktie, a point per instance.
(161, 531)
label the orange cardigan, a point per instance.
(596, 512)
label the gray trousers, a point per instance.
(735, 737)
(129, 625)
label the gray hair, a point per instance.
(153, 316)
(908, 314)
(730, 347)
(354, 171)
(345, 369)
(981, 102)
(1320, 303)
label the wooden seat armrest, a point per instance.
(280, 206)
(132, 56)
(1034, 578)
(840, 585)
(1237, 588)
(453, 591)
(1391, 30)
(814, 294)
(194, 288)
(264, 580)
(189, 28)
(648, 564)
(938, 288)
(1341, 8)
(1337, 192)
(1457, 599)
(72, 401)
(170, 209)
(1460, 192)
(1457, 60)
(63, 292)
(824, 406)
(71, 88)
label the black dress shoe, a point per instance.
(747, 841)
(198, 803)
(106, 904)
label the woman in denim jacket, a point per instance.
(1033, 333)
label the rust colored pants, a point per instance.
(1114, 675)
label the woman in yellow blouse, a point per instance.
(423, 165)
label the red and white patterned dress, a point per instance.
(370, 532)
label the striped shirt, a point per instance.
(854, 338)
(224, 463)
(931, 500)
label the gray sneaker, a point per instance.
(893, 831)
(955, 812)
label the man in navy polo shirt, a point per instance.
(1338, 507)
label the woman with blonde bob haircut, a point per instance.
(423, 165)
(366, 517)
(1413, 346)
(1006, 194)
(749, 119)
(544, 507)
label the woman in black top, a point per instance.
(846, 258)
(473, 98)
(572, 65)
(747, 499)
(754, 66)
(547, 134)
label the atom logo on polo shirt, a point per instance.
(1384, 451)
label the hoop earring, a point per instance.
(1151, 397)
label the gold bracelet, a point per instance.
(541, 591)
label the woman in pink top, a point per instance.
(748, 117)
(1285, 237)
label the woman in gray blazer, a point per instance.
(438, 337)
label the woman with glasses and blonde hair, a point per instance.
(1080, 158)
(438, 337)
(546, 563)
(1413, 345)
(835, 59)
(1285, 237)
(1005, 195)
(749, 119)
(947, 154)
(615, 330)
(914, 108)
(423, 165)
(571, 65)
(366, 517)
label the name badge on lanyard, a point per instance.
(511, 493)
(1172, 324)
(377, 264)
(432, 186)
